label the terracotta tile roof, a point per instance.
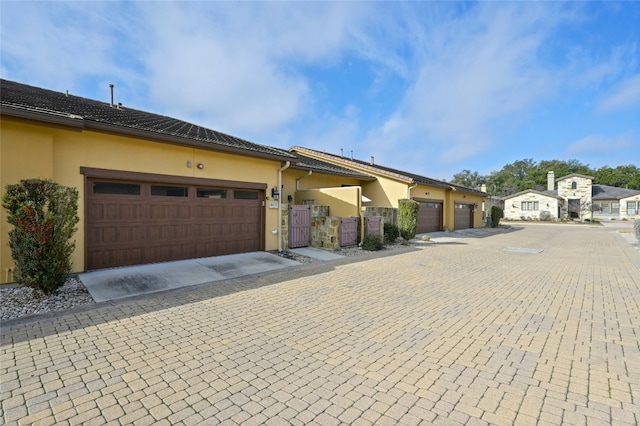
(33, 102)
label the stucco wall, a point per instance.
(293, 180)
(344, 202)
(33, 150)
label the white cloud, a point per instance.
(601, 144)
(447, 78)
(235, 66)
(61, 45)
(481, 70)
(624, 95)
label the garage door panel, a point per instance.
(129, 229)
(463, 217)
(430, 217)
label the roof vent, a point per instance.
(111, 87)
(372, 161)
(352, 155)
(119, 105)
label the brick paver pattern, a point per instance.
(465, 332)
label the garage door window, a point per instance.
(169, 191)
(246, 195)
(211, 193)
(116, 188)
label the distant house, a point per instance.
(576, 197)
(533, 205)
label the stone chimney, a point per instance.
(551, 181)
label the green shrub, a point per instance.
(372, 242)
(496, 215)
(407, 218)
(43, 214)
(391, 232)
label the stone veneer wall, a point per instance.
(325, 232)
(284, 226)
(388, 214)
(583, 192)
(513, 207)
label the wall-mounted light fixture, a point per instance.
(289, 198)
(475, 205)
(274, 193)
(189, 164)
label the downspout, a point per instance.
(409, 190)
(302, 177)
(360, 214)
(283, 168)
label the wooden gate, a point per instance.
(299, 226)
(348, 231)
(372, 225)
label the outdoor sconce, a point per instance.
(289, 198)
(475, 205)
(189, 164)
(514, 206)
(274, 193)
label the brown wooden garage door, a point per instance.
(463, 217)
(429, 217)
(133, 222)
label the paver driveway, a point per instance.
(459, 332)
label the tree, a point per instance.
(512, 178)
(43, 214)
(469, 179)
(620, 176)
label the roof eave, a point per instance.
(335, 173)
(357, 165)
(45, 116)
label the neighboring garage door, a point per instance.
(429, 217)
(135, 222)
(463, 217)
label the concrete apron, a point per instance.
(118, 283)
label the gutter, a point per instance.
(283, 168)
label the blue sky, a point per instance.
(428, 87)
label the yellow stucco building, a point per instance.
(154, 188)
(443, 206)
(151, 188)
